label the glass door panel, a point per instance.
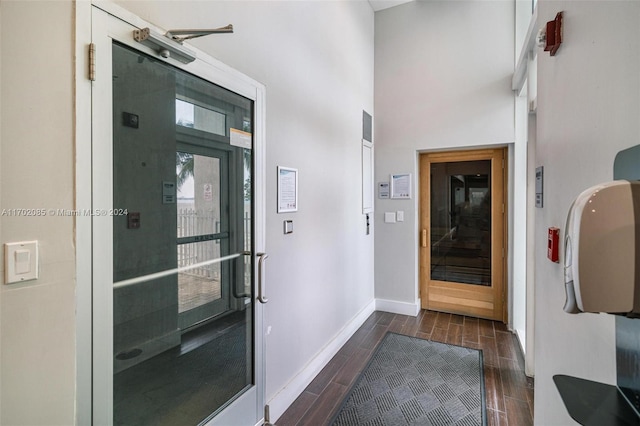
(461, 222)
(198, 194)
(202, 234)
(183, 312)
(201, 285)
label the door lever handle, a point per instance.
(261, 293)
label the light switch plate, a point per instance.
(400, 215)
(389, 217)
(288, 226)
(20, 261)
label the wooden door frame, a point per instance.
(499, 234)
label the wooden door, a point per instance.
(462, 223)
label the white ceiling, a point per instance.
(385, 4)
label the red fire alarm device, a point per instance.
(552, 244)
(554, 35)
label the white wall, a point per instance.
(588, 110)
(37, 322)
(442, 81)
(316, 60)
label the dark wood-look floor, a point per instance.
(509, 393)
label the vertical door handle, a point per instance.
(261, 293)
(424, 238)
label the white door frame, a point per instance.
(93, 170)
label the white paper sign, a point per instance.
(168, 192)
(208, 192)
(287, 190)
(239, 138)
(383, 189)
(401, 185)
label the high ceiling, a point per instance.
(385, 4)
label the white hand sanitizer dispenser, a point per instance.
(602, 250)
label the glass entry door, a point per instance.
(174, 161)
(202, 202)
(462, 235)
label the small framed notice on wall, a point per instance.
(539, 187)
(287, 190)
(383, 190)
(401, 186)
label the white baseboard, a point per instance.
(402, 308)
(288, 394)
